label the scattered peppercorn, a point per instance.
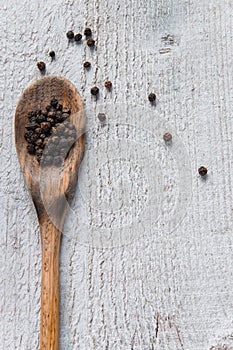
(152, 97)
(91, 42)
(87, 32)
(41, 66)
(167, 137)
(108, 84)
(52, 54)
(70, 35)
(94, 90)
(203, 171)
(86, 64)
(78, 37)
(102, 117)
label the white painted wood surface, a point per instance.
(146, 257)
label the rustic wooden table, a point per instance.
(146, 256)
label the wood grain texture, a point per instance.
(165, 289)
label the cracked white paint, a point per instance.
(132, 277)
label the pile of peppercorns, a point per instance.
(50, 134)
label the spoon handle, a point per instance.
(49, 326)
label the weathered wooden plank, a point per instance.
(129, 278)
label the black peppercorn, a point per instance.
(102, 117)
(152, 97)
(62, 141)
(31, 126)
(46, 144)
(78, 37)
(39, 151)
(33, 120)
(71, 126)
(54, 102)
(203, 171)
(63, 151)
(94, 90)
(66, 123)
(52, 54)
(28, 135)
(41, 118)
(45, 127)
(167, 137)
(60, 129)
(66, 110)
(30, 140)
(58, 114)
(65, 115)
(71, 133)
(108, 84)
(66, 132)
(87, 32)
(59, 119)
(31, 149)
(70, 35)
(51, 114)
(37, 131)
(91, 42)
(39, 143)
(39, 157)
(70, 141)
(34, 138)
(51, 121)
(54, 139)
(86, 64)
(41, 66)
(31, 114)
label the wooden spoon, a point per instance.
(52, 189)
